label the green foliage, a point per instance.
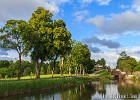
(46, 39)
(26, 66)
(12, 71)
(12, 38)
(27, 71)
(126, 63)
(4, 63)
(79, 57)
(104, 72)
(101, 62)
(49, 70)
(3, 72)
(6, 76)
(81, 54)
(31, 75)
(42, 71)
(11, 87)
(137, 68)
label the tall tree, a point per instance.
(126, 63)
(81, 55)
(61, 41)
(12, 38)
(38, 37)
(123, 55)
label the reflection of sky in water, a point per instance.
(110, 89)
(84, 92)
(55, 97)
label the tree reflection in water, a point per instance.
(91, 91)
(129, 88)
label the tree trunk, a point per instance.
(83, 71)
(62, 66)
(37, 70)
(76, 71)
(53, 67)
(19, 67)
(52, 72)
(70, 70)
(80, 69)
(70, 65)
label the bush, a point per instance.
(104, 72)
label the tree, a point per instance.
(137, 68)
(81, 55)
(69, 58)
(126, 63)
(38, 38)
(90, 65)
(123, 55)
(46, 39)
(25, 65)
(12, 38)
(101, 62)
(61, 41)
(4, 63)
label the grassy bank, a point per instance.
(14, 87)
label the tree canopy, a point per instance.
(126, 63)
(12, 38)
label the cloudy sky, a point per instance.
(108, 27)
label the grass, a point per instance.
(33, 77)
(14, 87)
(104, 72)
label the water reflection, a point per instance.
(113, 90)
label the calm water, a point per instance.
(125, 90)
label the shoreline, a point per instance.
(19, 87)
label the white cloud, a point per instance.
(111, 56)
(103, 2)
(80, 15)
(97, 21)
(23, 9)
(100, 2)
(87, 1)
(124, 6)
(136, 5)
(2, 52)
(127, 21)
(12, 55)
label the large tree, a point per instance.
(38, 37)
(62, 40)
(81, 56)
(12, 38)
(126, 63)
(46, 39)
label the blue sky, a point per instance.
(108, 27)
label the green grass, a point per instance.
(33, 77)
(13, 87)
(104, 72)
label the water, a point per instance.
(113, 90)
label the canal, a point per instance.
(95, 90)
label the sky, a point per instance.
(108, 27)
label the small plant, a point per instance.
(6, 76)
(31, 75)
